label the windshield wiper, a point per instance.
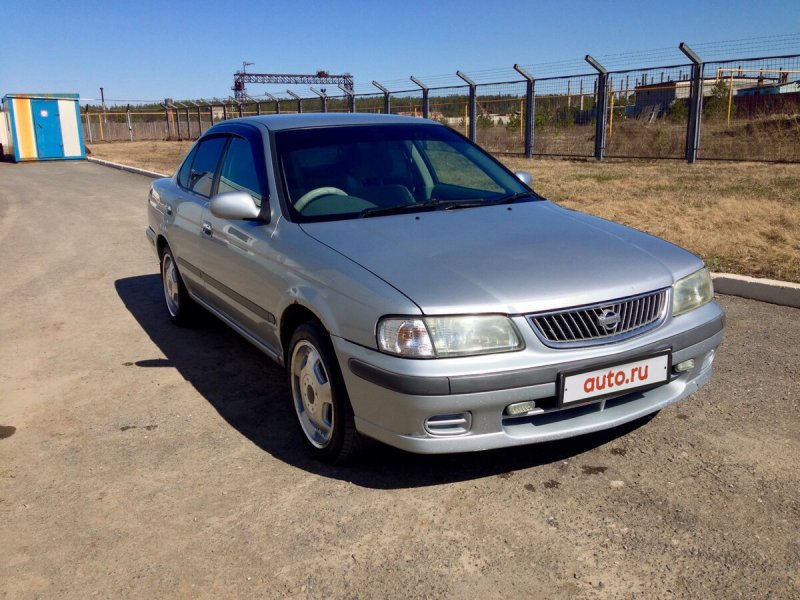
(451, 204)
(511, 198)
(432, 204)
(398, 209)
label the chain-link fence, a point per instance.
(648, 112)
(369, 103)
(564, 116)
(751, 108)
(500, 115)
(115, 125)
(339, 104)
(746, 109)
(407, 103)
(450, 105)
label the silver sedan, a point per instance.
(419, 293)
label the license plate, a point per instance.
(650, 371)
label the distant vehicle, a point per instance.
(421, 294)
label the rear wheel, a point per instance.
(180, 306)
(319, 397)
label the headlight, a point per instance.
(692, 292)
(444, 337)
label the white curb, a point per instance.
(766, 290)
(136, 170)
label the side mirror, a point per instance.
(525, 178)
(234, 205)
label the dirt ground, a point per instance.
(142, 460)
(739, 217)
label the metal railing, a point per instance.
(741, 109)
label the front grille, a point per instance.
(601, 323)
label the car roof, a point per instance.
(300, 121)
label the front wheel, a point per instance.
(320, 399)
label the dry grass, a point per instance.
(740, 217)
(161, 157)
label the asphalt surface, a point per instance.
(138, 459)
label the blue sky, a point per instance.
(149, 50)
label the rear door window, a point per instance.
(204, 165)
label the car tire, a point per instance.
(319, 397)
(180, 306)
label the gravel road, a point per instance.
(138, 459)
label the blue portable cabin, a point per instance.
(44, 127)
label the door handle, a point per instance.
(207, 229)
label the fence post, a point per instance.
(211, 113)
(530, 107)
(177, 121)
(173, 122)
(277, 103)
(426, 103)
(600, 108)
(128, 115)
(299, 100)
(166, 120)
(472, 104)
(88, 125)
(351, 98)
(323, 98)
(178, 118)
(199, 120)
(695, 104)
(387, 103)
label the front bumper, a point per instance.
(393, 398)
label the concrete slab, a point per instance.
(783, 293)
(121, 167)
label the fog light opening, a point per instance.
(684, 366)
(453, 424)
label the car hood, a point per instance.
(512, 259)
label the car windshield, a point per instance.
(373, 170)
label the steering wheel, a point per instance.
(312, 195)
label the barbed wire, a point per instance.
(638, 58)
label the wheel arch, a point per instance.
(293, 316)
(161, 243)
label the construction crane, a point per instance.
(240, 78)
